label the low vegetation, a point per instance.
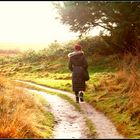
(23, 115)
(114, 69)
(114, 81)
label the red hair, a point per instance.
(77, 47)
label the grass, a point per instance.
(22, 115)
(91, 128)
(45, 124)
(114, 92)
(118, 97)
(59, 81)
(110, 99)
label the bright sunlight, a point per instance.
(31, 24)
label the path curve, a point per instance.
(104, 127)
(69, 122)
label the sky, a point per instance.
(31, 24)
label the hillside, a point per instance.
(113, 87)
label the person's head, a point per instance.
(77, 47)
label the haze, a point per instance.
(31, 24)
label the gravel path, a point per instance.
(104, 127)
(70, 123)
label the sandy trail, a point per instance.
(104, 127)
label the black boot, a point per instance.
(77, 99)
(81, 96)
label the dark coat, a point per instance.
(77, 64)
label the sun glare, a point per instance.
(31, 23)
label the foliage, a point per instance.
(92, 45)
(122, 20)
(29, 56)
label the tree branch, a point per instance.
(97, 24)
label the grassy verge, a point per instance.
(22, 115)
(46, 124)
(91, 128)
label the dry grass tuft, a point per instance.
(127, 79)
(123, 89)
(125, 82)
(20, 113)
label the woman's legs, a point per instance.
(81, 96)
(77, 96)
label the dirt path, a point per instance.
(105, 128)
(69, 122)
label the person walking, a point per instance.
(78, 65)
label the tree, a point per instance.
(121, 19)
